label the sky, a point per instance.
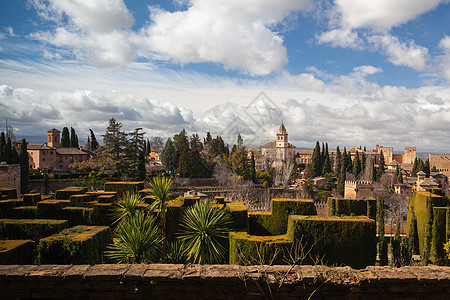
(346, 72)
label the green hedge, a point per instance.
(188, 201)
(64, 194)
(76, 245)
(101, 214)
(123, 187)
(50, 209)
(248, 249)
(352, 207)
(105, 195)
(33, 229)
(337, 240)
(439, 235)
(220, 199)
(31, 199)
(239, 214)
(283, 208)
(76, 215)
(22, 212)
(260, 223)
(17, 252)
(8, 193)
(80, 200)
(418, 202)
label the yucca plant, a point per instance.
(136, 240)
(161, 187)
(175, 253)
(126, 207)
(204, 229)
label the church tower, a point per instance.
(282, 137)
(53, 138)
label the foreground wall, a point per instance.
(157, 281)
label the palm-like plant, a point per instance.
(137, 240)
(175, 253)
(204, 230)
(161, 188)
(126, 207)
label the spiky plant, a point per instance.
(126, 207)
(204, 229)
(136, 240)
(161, 187)
(175, 253)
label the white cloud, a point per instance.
(305, 81)
(381, 14)
(401, 54)
(344, 38)
(236, 34)
(443, 60)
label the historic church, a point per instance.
(274, 153)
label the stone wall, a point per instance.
(158, 281)
(10, 176)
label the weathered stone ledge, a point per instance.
(163, 281)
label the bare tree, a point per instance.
(157, 144)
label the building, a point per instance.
(50, 156)
(358, 189)
(10, 176)
(441, 161)
(276, 152)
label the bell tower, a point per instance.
(282, 137)
(53, 138)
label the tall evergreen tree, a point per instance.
(185, 158)
(381, 166)
(199, 167)
(340, 188)
(382, 245)
(374, 172)
(168, 156)
(363, 162)
(135, 153)
(65, 139)
(252, 168)
(2, 146)
(73, 138)
(24, 167)
(8, 156)
(415, 167)
(349, 163)
(315, 161)
(148, 150)
(322, 159)
(421, 166)
(356, 166)
(428, 232)
(113, 158)
(426, 168)
(397, 171)
(337, 163)
(326, 163)
(344, 160)
(94, 143)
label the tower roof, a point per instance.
(53, 130)
(282, 127)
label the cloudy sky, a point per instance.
(349, 72)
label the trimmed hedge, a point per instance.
(418, 202)
(239, 214)
(337, 240)
(31, 199)
(64, 194)
(79, 200)
(188, 201)
(33, 229)
(22, 212)
(248, 249)
(352, 207)
(8, 193)
(76, 245)
(123, 187)
(283, 208)
(76, 215)
(17, 252)
(438, 256)
(50, 209)
(105, 195)
(260, 223)
(101, 214)
(219, 199)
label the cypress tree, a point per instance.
(24, 167)
(14, 156)
(426, 168)
(168, 156)
(65, 139)
(73, 138)
(396, 175)
(349, 163)
(45, 183)
(420, 166)
(94, 143)
(322, 159)
(382, 246)
(363, 162)
(428, 233)
(185, 158)
(315, 161)
(415, 168)
(141, 171)
(8, 153)
(395, 244)
(356, 166)
(381, 166)
(337, 163)
(374, 172)
(253, 168)
(326, 163)
(365, 149)
(340, 189)
(149, 147)
(2, 146)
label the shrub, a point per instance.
(352, 207)
(30, 229)
(239, 215)
(124, 187)
(283, 208)
(438, 256)
(76, 245)
(17, 252)
(31, 199)
(64, 194)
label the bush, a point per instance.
(76, 245)
(64, 194)
(283, 208)
(348, 240)
(30, 229)
(438, 256)
(8, 193)
(17, 252)
(239, 215)
(79, 200)
(124, 187)
(352, 207)
(31, 199)
(50, 209)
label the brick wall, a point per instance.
(158, 281)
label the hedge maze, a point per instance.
(74, 228)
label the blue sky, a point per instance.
(347, 72)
